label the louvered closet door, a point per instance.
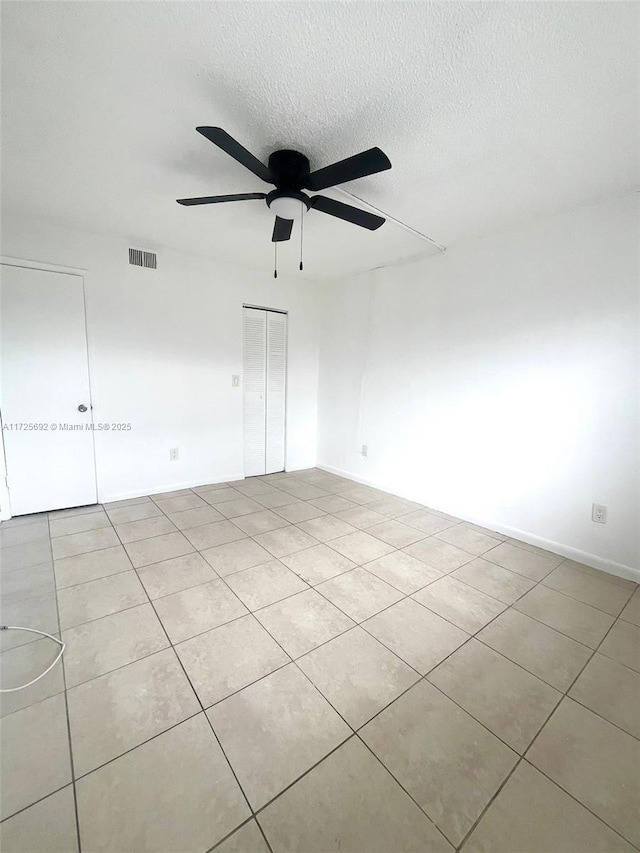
(254, 390)
(276, 390)
(265, 377)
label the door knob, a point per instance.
(82, 407)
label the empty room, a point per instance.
(319, 474)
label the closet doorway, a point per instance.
(264, 390)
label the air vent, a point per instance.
(140, 258)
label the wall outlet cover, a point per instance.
(365, 450)
(174, 454)
(235, 381)
(599, 513)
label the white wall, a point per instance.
(498, 382)
(163, 346)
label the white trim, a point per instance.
(39, 265)
(5, 498)
(173, 487)
(90, 381)
(263, 308)
(593, 560)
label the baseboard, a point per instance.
(174, 487)
(108, 497)
(593, 560)
(291, 469)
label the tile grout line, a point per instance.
(133, 748)
(433, 668)
(320, 645)
(354, 732)
(254, 814)
(302, 775)
(426, 536)
(63, 691)
(360, 624)
(66, 705)
(195, 693)
(402, 788)
(406, 595)
(35, 803)
(575, 799)
(522, 756)
(202, 710)
(484, 811)
(240, 826)
(122, 666)
(291, 661)
(566, 696)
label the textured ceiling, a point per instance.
(491, 113)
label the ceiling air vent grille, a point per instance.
(140, 258)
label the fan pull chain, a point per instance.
(275, 260)
(301, 235)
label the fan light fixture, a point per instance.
(287, 206)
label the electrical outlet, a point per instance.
(235, 381)
(365, 449)
(599, 513)
(173, 454)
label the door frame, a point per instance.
(284, 311)
(80, 272)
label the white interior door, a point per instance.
(264, 391)
(276, 391)
(45, 378)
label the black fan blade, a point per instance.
(228, 144)
(281, 230)
(216, 199)
(347, 212)
(359, 166)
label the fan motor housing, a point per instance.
(290, 169)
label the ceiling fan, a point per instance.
(290, 173)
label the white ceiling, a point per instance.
(491, 113)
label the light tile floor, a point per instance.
(301, 663)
